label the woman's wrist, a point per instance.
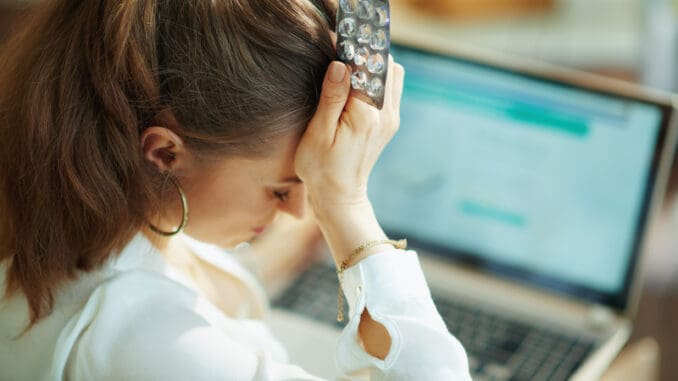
(347, 226)
(332, 210)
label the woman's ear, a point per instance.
(164, 149)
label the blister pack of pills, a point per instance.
(363, 41)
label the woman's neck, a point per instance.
(225, 291)
(171, 248)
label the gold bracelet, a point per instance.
(400, 244)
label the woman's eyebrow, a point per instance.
(293, 179)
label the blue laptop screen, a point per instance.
(519, 175)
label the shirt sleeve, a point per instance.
(392, 287)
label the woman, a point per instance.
(128, 126)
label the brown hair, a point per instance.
(84, 78)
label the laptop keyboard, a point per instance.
(506, 349)
(498, 348)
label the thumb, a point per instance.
(335, 92)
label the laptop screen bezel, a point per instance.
(567, 79)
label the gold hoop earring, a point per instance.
(184, 215)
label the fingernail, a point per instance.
(337, 72)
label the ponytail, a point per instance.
(73, 187)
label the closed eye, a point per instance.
(282, 196)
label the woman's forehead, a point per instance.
(276, 168)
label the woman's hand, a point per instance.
(345, 138)
(303, 246)
(334, 159)
(336, 154)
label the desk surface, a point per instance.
(639, 361)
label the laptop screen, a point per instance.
(518, 175)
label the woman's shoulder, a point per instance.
(142, 325)
(133, 300)
(124, 293)
(129, 317)
(105, 300)
(132, 281)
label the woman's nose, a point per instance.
(295, 205)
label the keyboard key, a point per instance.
(498, 372)
(473, 364)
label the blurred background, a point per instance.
(632, 40)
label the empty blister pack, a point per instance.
(363, 40)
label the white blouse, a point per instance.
(139, 319)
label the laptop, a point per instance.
(527, 191)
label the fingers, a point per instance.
(394, 84)
(335, 92)
(398, 82)
(388, 86)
